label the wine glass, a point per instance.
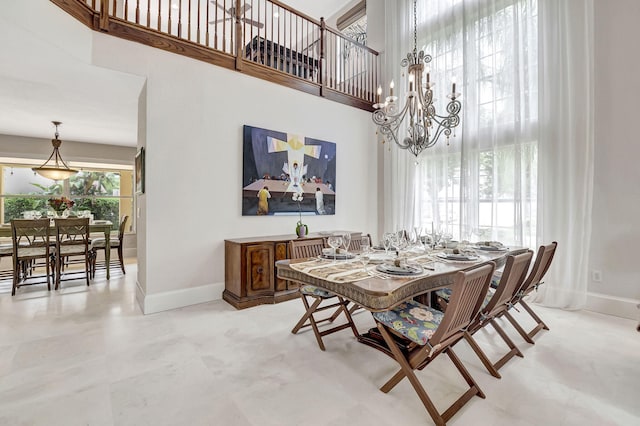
(387, 239)
(365, 248)
(334, 242)
(346, 241)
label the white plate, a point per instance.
(399, 270)
(490, 248)
(339, 256)
(458, 257)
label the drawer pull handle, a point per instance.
(260, 269)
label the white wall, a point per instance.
(194, 118)
(616, 212)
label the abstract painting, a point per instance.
(285, 174)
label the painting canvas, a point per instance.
(280, 168)
(140, 171)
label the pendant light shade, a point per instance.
(55, 168)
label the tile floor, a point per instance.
(87, 356)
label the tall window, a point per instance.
(106, 193)
(483, 184)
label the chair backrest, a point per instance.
(468, 291)
(30, 232)
(123, 224)
(73, 232)
(515, 272)
(356, 242)
(303, 248)
(540, 268)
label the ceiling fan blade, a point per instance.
(218, 4)
(218, 21)
(252, 22)
(245, 8)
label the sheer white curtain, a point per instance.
(521, 167)
(482, 185)
(566, 147)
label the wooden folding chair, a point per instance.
(312, 297)
(72, 240)
(540, 267)
(431, 332)
(30, 240)
(512, 278)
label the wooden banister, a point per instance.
(266, 39)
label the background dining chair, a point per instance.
(30, 241)
(98, 244)
(513, 276)
(72, 240)
(312, 296)
(6, 267)
(534, 279)
(431, 332)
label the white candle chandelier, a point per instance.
(424, 126)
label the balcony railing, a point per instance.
(263, 38)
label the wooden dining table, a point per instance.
(103, 226)
(381, 292)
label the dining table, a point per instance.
(97, 226)
(376, 291)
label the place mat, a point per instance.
(336, 272)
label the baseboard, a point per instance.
(611, 305)
(152, 303)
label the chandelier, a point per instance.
(424, 126)
(56, 169)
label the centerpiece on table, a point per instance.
(59, 205)
(301, 229)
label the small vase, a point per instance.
(301, 230)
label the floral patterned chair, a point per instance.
(431, 333)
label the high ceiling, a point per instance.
(317, 8)
(41, 82)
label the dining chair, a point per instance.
(356, 241)
(430, 333)
(98, 244)
(6, 251)
(534, 280)
(30, 241)
(313, 297)
(72, 240)
(512, 278)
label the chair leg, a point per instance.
(407, 371)
(308, 316)
(518, 328)
(540, 326)
(87, 267)
(16, 273)
(58, 271)
(121, 258)
(483, 357)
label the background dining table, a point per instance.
(103, 226)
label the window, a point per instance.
(483, 185)
(107, 193)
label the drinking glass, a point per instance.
(365, 247)
(346, 241)
(387, 239)
(334, 242)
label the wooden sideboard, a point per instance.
(250, 275)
